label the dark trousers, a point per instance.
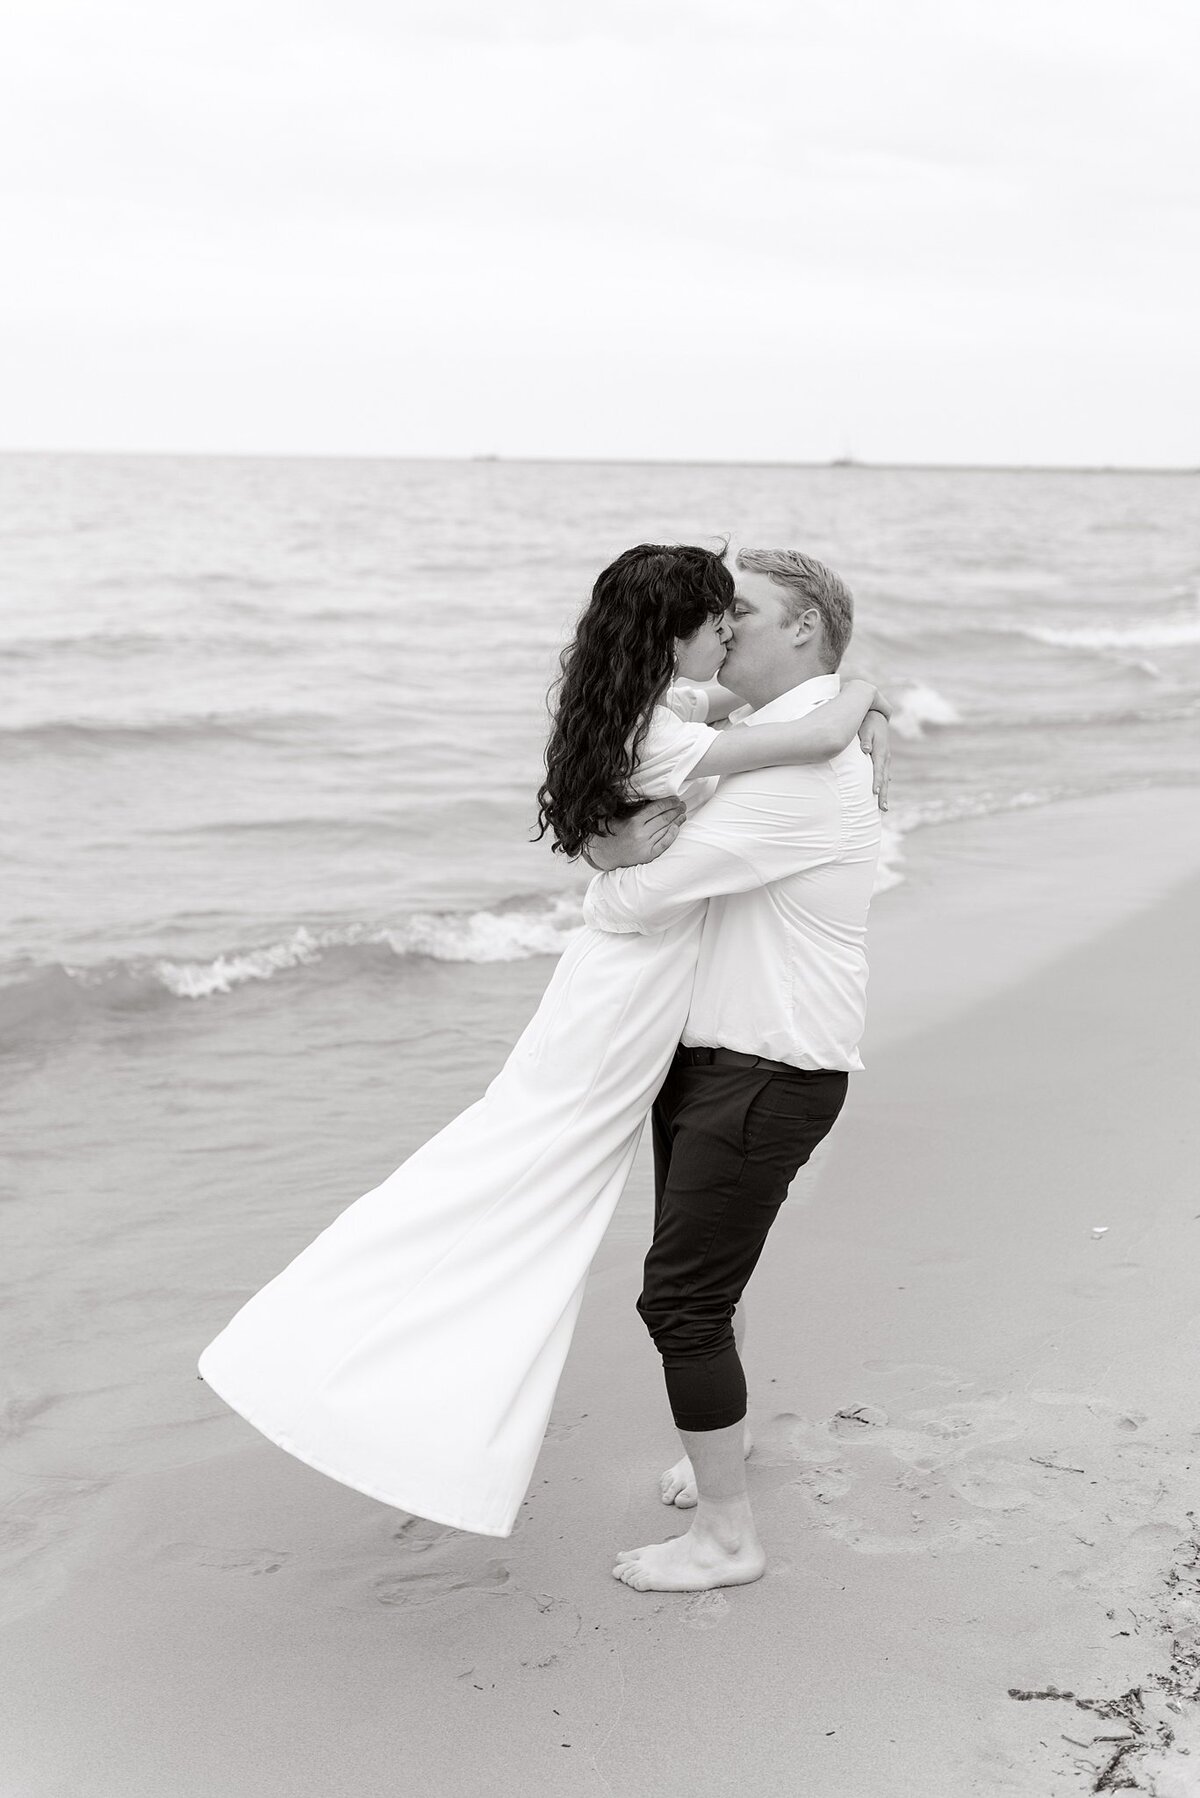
(727, 1143)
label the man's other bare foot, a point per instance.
(693, 1562)
(678, 1484)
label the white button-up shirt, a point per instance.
(786, 858)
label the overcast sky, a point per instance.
(718, 229)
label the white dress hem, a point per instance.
(432, 1510)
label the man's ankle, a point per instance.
(730, 1521)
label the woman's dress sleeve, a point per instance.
(670, 750)
(688, 703)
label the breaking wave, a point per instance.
(512, 933)
(513, 930)
(1166, 633)
(920, 706)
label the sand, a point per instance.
(972, 1354)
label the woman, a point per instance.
(414, 1349)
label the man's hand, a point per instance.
(876, 739)
(639, 838)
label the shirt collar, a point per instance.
(792, 704)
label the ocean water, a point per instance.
(271, 911)
(261, 713)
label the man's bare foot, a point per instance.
(678, 1483)
(693, 1562)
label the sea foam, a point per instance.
(517, 929)
(1166, 633)
(919, 706)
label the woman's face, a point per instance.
(699, 657)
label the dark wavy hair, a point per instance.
(617, 666)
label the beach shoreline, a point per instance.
(971, 1340)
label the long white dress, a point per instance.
(413, 1350)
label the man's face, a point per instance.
(760, 638)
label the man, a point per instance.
(786, 858)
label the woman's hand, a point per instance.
(876, 739)
(640, 838)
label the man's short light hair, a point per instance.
(807, 583)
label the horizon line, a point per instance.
(840, 462)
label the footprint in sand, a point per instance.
(789, 1438)
(951, 1535)
(775, 1443)
(705, 1610)
(961, 1427)
(422, 1586)
(996, 1486)
(1138, 1564)
(855, 1421)
(418, 1534)
(825, 1484)
(899, 1487)
(229, 1560)
(559, 1428)
(926, 1439)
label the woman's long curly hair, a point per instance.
(615, 669)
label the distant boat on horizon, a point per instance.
(846, 460)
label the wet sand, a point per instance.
(972, 1353)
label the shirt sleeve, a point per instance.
(688, 703)
(759, 827)
(669, 751)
